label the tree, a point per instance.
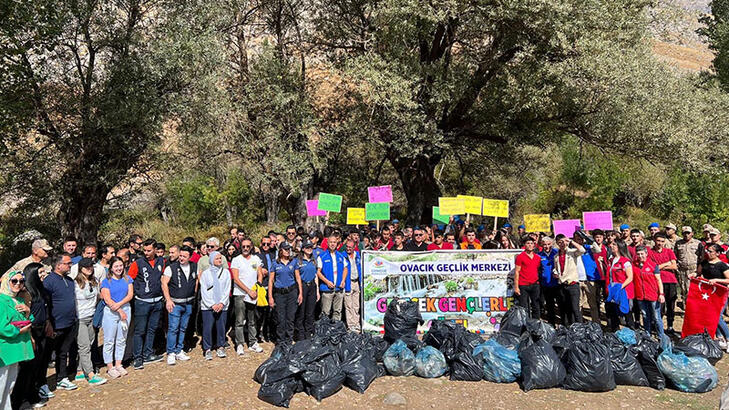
(716, 30)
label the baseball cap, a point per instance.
(708, 227)
(85, 263)
(307, 244)
(285, 246)
(624, 227)
(686, 229)
(42, 243)
(671, 226)
(714, 231)
(654, 225)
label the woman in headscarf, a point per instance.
(15, 325)
(215, 297)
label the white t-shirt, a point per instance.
(185, 271)
(319, 264)
(86, 300)
(354, 273)
(247, 273)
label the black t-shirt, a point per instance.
(714, 270)
(413, 247)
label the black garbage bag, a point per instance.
(281, 371)
(451, 338)
(279, 393)
(541, 329)
(360, 373)
(379, 346)
(562, 342)
(466, 367)
(401, 319)
(514, 321)
(702, 343)
(589, 368)
(329, 331)
(586, 331)
(647, 344)
(624, 361)
(413, 343)
(440, 333)
(650, 367)
(540, 366)
(324, 376)
(508, 340)
(399, 360)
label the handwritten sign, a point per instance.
(598, 220)
(537, 223)
(438, 218)
(377, 211)
(330, 202)
(312, 208)
(356, 216)
(496, 207)
(451, 206)
(380, 193)
(566, 227)
(472, 203)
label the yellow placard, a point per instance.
(451, 206)
(356, 216)
(496, 207)
(472, 203)
(538, 223)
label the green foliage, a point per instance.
(371, 290)
(451, 286)
(716, 30)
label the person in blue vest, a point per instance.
(332, 276)
(179, 286)
(306, 268)
(285, 295)
(354, 280)
(550, 285)
(148, 303)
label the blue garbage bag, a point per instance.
(627, 336)
(500, 364)
(399, 360)
(430, 362)
(688, 374)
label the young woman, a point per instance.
(716, 271)
(285, 296)
(215, 297)
(15, 326)
(648, 290)
(117, 291)
(306, 269)
(87, 295)
(231, 252)
(620, 272)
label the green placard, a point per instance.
(438, 218)
(329, 202)
(377, 211)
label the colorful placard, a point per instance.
(377, 211)
(537, 223)
(566, 227)
(451, 206)
(312, 208)
(472, 204)
(329, 202)
(438, 218)
(496, 207)
(598, 220)
(380, 193)
(356, 216)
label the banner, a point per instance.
(451, 206)
(537, 223)
(380, 193)
(472, 204)
(566, 227)
(330, 202)
(312, 208)
(472, 287)
(378, 211)
(438, 218)
(598, 220)
(356, 216)
(495, 207)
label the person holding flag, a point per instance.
(716, 271)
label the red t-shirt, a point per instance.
(444, 245)
(134, 269)
(562, 259)
(529, 273)
(195, 257)
(666, 255)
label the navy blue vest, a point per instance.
(148, 283)
(180, 287)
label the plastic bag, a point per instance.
(451, 338)
(329, 331)
(401, 319)
(279, 393)
(651, 370)
(541, 329)
(586, 331)
(430, 363)
(627, 336)
(647, 344)
(508, 340)
(624, 362)
(589, 368)
(514, 321)
(466, 367)
(360, 373)
(540, 366)
(399, 360)
(323, 377)
(704, 344)
(500, 365)
(688, 374)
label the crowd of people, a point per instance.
(147, 298)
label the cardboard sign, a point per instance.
(598, 220)
(356, 216)
(472, 203)
(380, 193)
(451, 206)
(496, 207)
(377, 211)
(330, 202)
(537, 223)
(312, 208)
(566, 227)
(438, 218)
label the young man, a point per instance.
(89, 252)
(333, 274)
(398, 243)
(179, 286)
(450, 238)
(70, 244)
(470, 240)
(174, 253)
(671, 236)
(438, 242)
(135, 247)
(688, 256)
(665, 259)
(190, 242)
(526, 279)
(264, 323)
(636, 239)
(565, 270)
(246, 270)
(625, 233)
(385, 242)
(548, 282)
(417, 244)
(351, 299)
(160, 249)
(291, 238)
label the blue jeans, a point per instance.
(177, 321)
(210, 319)
(146, 319)
(651, 312)
(723, 328)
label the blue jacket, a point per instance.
(617, 295)
(326, 269)
(547, 267)
(358, 261)
(588, 261)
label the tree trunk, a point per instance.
(418, 181)
(273, 206)
(81, 211)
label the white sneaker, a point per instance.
(182, 356)
(240, 350)
(255, 348)
(171, 360)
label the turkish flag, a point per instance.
(704, 304)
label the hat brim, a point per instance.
(46, 248)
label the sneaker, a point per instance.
(171, 359)
(122, 371)
(138, 364)
(722, 343)
(182, 356)
(97, 380)
(256, 348)
(66, 384)
(80, 376)
(220, 352)
(153, 359)
(113, 373)
(41, 403)
(208, 355)
(45, 392)
(240, 350)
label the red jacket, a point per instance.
(644, 278)
(617, 274)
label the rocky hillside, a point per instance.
(674, 24)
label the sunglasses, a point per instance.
(210, 246)
(246, 246)
(17, 281)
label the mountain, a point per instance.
(673, 25)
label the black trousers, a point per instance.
(32, 373)
(65, 338)
(551, 298)
(530, 300)
(285, 308)
(613, 316)
(305, 311)
(265, 324)
(570, 298)
(669, 308)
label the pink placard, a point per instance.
(311, 210)
(380, 193)
(566, 227)
(598, 220)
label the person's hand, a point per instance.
(342, 285)
(270, 302)
(712, 281)
(170, 305)
(49, 329)
(330, 284)
(662, 299)
(318, 296)
(114, 306)
(218, 307)
(253, 293)
(22, 308)
(517, 291)
(122, 316)
(691, 275)
(299, 299)
(25, 329)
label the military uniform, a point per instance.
(687, 256)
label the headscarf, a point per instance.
(214, 271)
(5, 285)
